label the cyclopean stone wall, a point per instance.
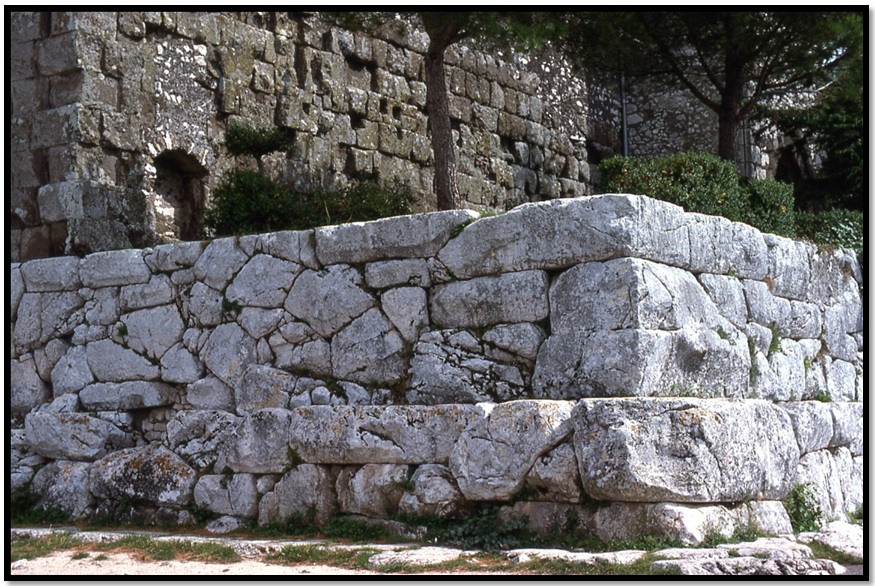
(611, 364)
(118, 119)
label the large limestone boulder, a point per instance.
(126, 396)
(28, 389)
(418, 236)
(263, 387)
(73, 436)
(396, 434)
(374, 490)
(228, 352)
(197, 436)
(684, 450)
(486, 301)
(64, 484)
(328, 300)
(304, 488)
(263, 282)
(369, 351)
(111, 362)
(433, 491)
(151, 474)
(234, 495)
(496, 452)
(692, 361)
(151, 332)
(259, 445)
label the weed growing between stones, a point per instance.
(25, 509)
(823, 551)
(28, 548)
(316, 554)
(741, 534)
(802, 507)
(775, 344)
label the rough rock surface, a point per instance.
(684, 450)
(152, 473)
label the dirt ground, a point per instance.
(122, 564)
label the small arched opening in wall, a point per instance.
(179, 196)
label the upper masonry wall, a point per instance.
(119, 118)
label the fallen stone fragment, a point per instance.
(423, 556)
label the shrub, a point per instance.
(704, 184)
(698, 182)
(257, 142)
(247, 202)
(838, 227)
(770, 206)
(803, 509)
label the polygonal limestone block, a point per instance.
(228, 352)
(374, 490)
(396, 434)
(153, 331)
(259, 445)
(263, 282)
(496, 452)
(235, 495)
(126, 396)
(629, 293)
(693, 361)
(485, 301)
(684, 450)
(152, 473)
(434, 492)
(73, 436)
(65, 485)
(198, 435)
(368, 351)
(417, 236)
(304, 488)
(328, 300)
(28, 389)
(114, 267)
(219, 262)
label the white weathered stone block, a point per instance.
(495, 452)
(420, 236)
(374, 490)
(263, 282)
(153, 331)
(369, 351)
(113, 268)
(113, 363)
(219, 262)
(339, 294)
(73, 436)
(151, 473)
(198, 435)
(227, 353)
(51, 274)
(684, 450)
(486, 301)
(126, 396)
(407, 309)
(235, 495)
(396, 434)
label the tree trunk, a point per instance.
(727, 134)
(448, 197)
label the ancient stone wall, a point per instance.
(609, 364)
(118, 120)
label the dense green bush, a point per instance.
(705, 184)
(838, 227)
(245, 140)
(803, 509)
(247, 202)
(698, 182)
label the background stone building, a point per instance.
(118, 120)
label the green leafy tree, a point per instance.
(834, 127)
(524, 30)
(729, 61)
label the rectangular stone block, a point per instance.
(402, 434)
(483, 301)
(399, 237)
(114, 267)
(684, 450)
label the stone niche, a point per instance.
(178, 199)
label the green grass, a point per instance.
(824, 551)
(28, 548)
(144, 546)
(317, 554)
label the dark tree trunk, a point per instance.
(448, 197)
(727, 134)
